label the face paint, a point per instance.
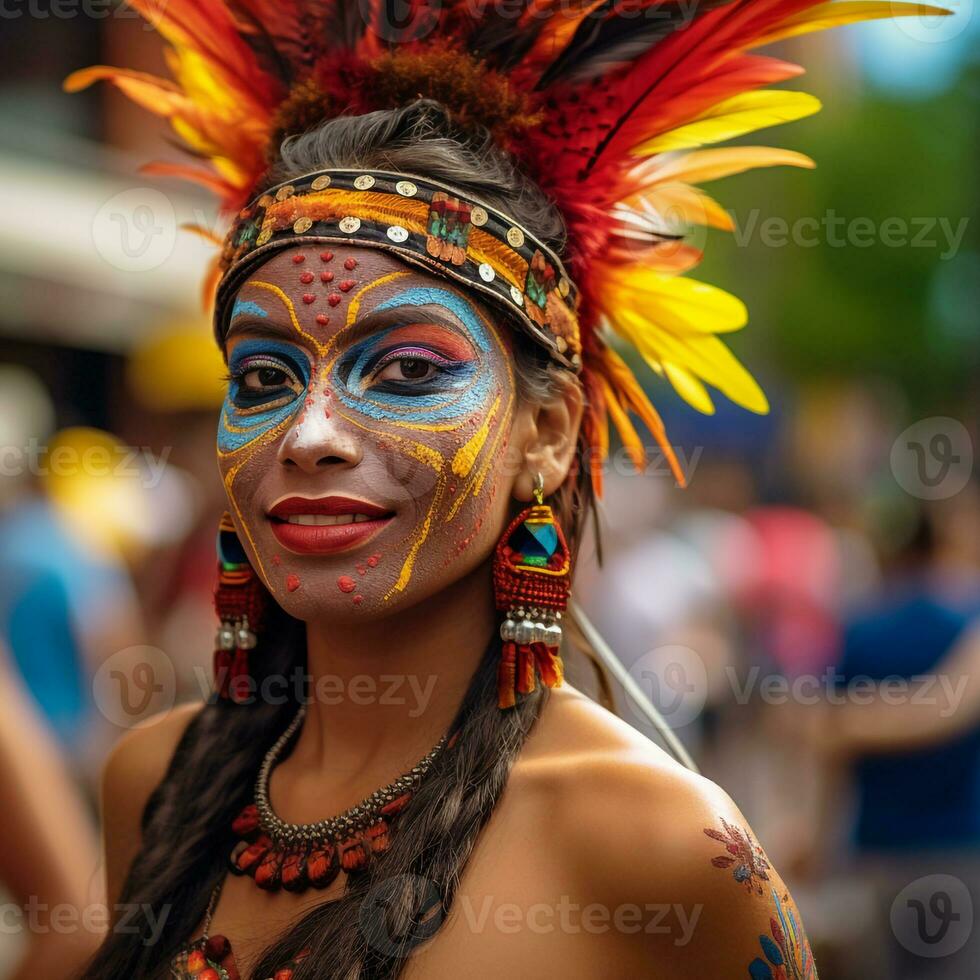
(458, 381)
(267, 384)
(244, 307)
(401, 399)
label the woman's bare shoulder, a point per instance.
(575, 737)
(641, 830)
(139, 760)
(133, 769)
(584, 760)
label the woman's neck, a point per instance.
(394, 684)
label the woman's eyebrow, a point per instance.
(250, 324)
(394, 316)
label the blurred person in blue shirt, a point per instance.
(905, 731)
(922, 796)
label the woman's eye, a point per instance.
(265, 377)
(407, 369)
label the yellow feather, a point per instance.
(681, 203)
(743, 113)
(672, 320)
(689, 388)
(84, 77)
(623, 394)
(211, 89)
(157, 95)
(627, 431)
(671, 257)
(682, 304)
(703, 355)
(202, 232)
(699, 166)
(837, 14)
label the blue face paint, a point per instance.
(247, 306)
(458, 387)
(278, 375)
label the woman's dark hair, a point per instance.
(405, 893)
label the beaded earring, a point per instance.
(531, 582)
(240, 601)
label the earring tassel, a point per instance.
(506, 675)
(550, 667)
(525, 671)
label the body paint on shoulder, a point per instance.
(786, 948)
(743, 855)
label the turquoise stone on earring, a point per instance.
(231, 554)
(535, 542)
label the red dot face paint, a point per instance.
(309, 298)
(322, 319)
(347, 285)
(373, 561)
(299, 258)
(346, 584)
(306, 277)
(334, 298)
(326, 256)
(326, 276)
(350, 263)
(292, 583)
(358, 599)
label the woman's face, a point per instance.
(363, 442)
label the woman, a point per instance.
(411, 441)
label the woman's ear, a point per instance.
(549, 437)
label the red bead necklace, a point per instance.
(295, 857)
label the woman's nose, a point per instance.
(319, 437)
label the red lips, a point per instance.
(326, 538)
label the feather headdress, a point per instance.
(612, 106)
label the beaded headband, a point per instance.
(426, 223)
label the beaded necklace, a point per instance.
(211, 957)
(294, 857)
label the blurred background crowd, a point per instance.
(832, 542)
